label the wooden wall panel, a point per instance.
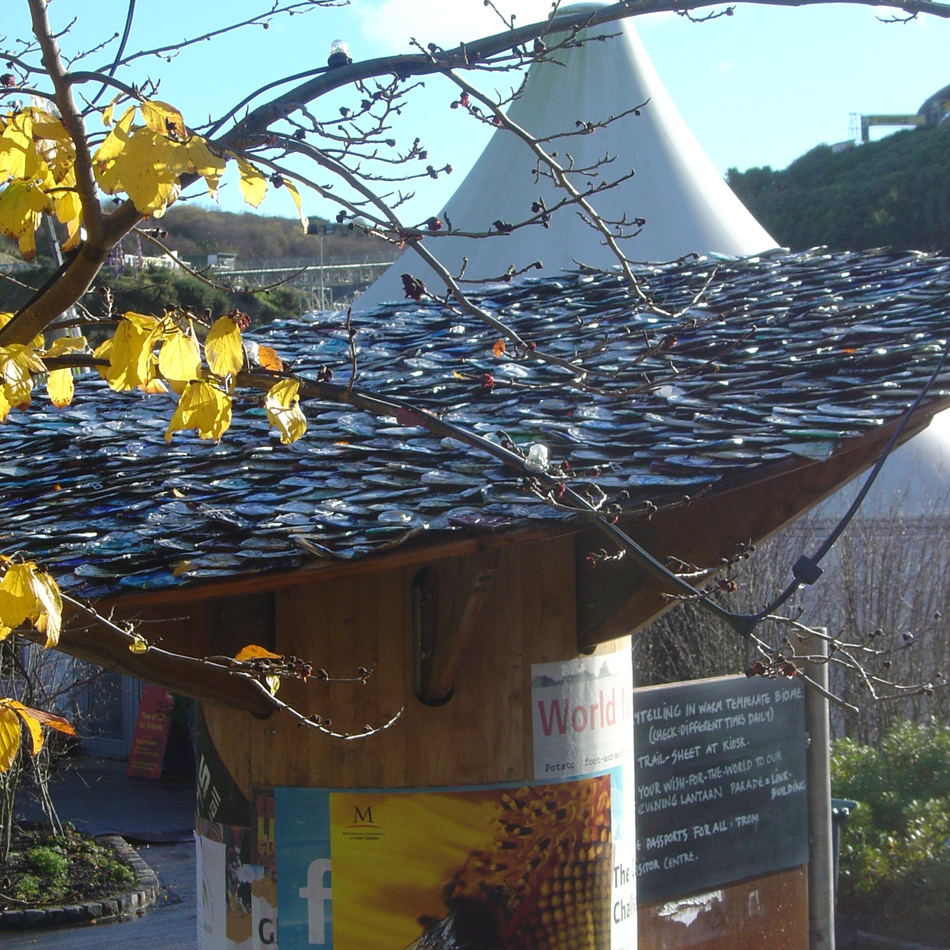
(481, 735)
(766, 912)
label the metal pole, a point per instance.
(821, 908)
(58, 260)
(323, 302)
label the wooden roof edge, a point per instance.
(732, 516)
(443, 544)
(440, 545)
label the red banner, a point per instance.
(151, 733)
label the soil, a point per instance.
(44, 870)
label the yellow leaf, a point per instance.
(498, 348)
(64, 345)
(138, 644)
(253, 183)
(253, 652)
(202, 161)
(203, 407)
(53, 143)
(111, 148)
(9, 737)
(16, 146)
(60, 388)
(148, 169)
(17, 597)
(36, 731)
(224, 350)
(18, 363)
(50, 601)
(181, 567)
(27, 593)
(130, 353)
(179, 360)
(68, 209)
(5, 408)
(267, 358)
(104, 352)
(21, 208)
(59, 383)
(283, 409)
(292, 190)
(273, 684)
(108, 110)
(46, 718)
(163, 118)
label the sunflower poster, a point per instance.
(521, 866)
(539, 865)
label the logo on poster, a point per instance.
(581, 718)
(315, 894)
(362, 827)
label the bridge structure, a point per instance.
(328, 286)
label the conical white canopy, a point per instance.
(914, 482)
(687, 205)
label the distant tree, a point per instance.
(883, 193)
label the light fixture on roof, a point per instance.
(339, 54)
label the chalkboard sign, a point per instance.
(720, 772)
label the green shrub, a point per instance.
(27, 888)
(120, 874)
(895, 850)
(48, 861)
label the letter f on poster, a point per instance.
(315, 893)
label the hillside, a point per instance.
(895, 191)
(195, 232)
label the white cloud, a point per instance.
(726, 67)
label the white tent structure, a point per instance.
(686, 204)
(913, 484)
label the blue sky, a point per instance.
(757, 88)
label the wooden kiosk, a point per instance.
(456, 635)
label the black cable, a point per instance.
(806, 569)
(121, 50)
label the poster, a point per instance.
(212, 901)
(582, 724)
(151, 733)
(520, 866)
(540, 864)
(237, 893)
(582, 715)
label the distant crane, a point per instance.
(934, 111)
(903, 120)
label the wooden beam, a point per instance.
(175, 633)
(463, 594)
